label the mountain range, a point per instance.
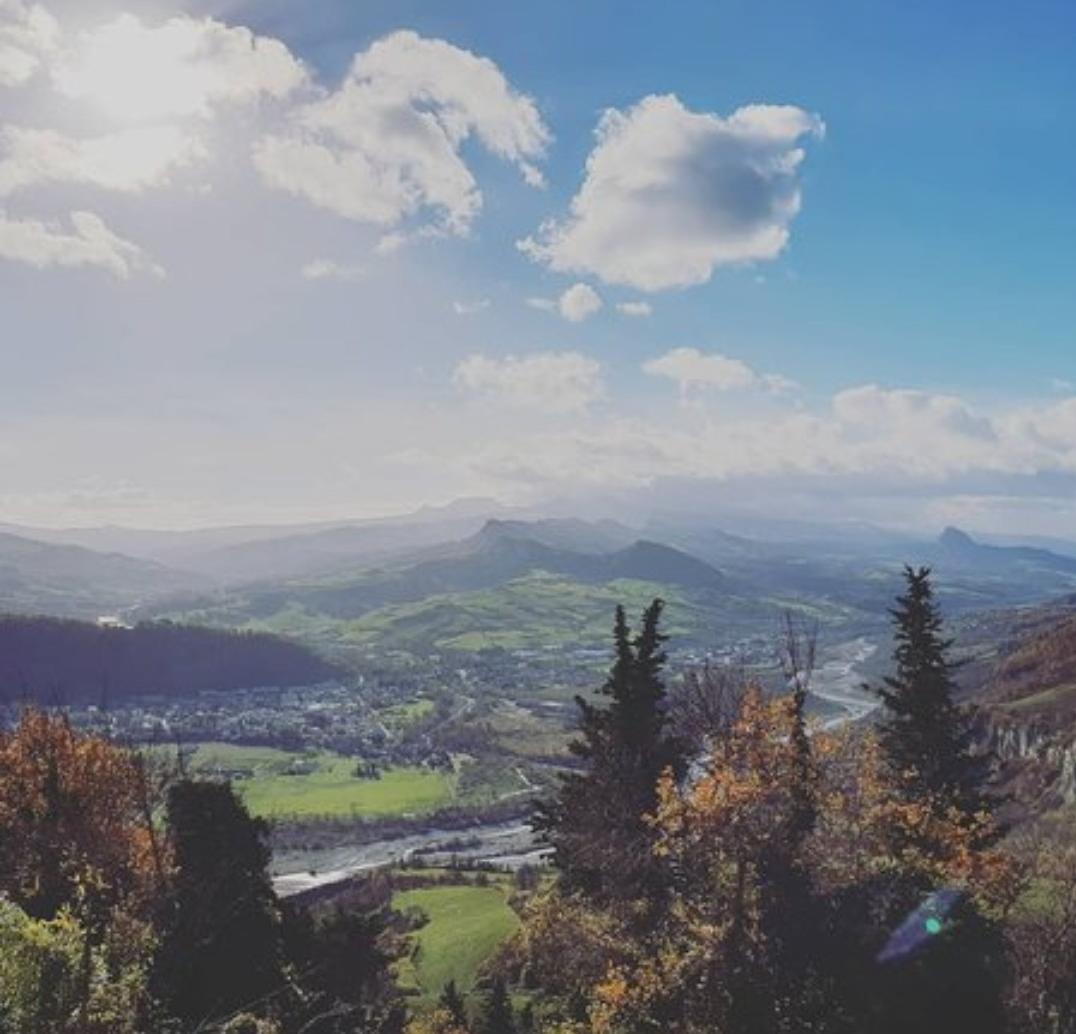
(413, 578)
(45, 578)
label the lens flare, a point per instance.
(926, 922)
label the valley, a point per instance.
(393, 703)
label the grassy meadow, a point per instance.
(466, 925)
(277, 783)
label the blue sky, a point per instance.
(938, 223)
(882, 316)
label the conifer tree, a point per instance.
(220, 933)
(924, 734)
(497, 1013)
(452, 1002)
(596, 824)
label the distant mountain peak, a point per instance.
(565, 534)
(955, 537)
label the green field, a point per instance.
(279, 783)
(400, 715)
(466, 925)
(537, 611)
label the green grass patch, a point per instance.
(277, 783)
(466, 925)
(412, 711)
(208, 758)
(332, 789)
(538, 611)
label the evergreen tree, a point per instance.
(337, 957)
(220, 932)
(925, 735)
(452, 1002)
(602, 842)
(497, 1011)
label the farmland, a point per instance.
(278, 783)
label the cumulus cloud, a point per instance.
(874, 408)
(327, 269)
(129, 160)
(671, 194)
(869, 441)
(557, 382)
(579, 302)
(694, 370)
(184, 67)
(158, 83)
(89, 242)
(387, 144)
(636, 309)
(28, 33)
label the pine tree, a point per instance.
(220, 933)
(925, 735)
(452, 1002)
(497, 1012)
(602, 843)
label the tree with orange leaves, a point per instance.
(73, 822)
(720, 962)
(80, 860)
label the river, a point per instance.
(838, 680)
(509, 845)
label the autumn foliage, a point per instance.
(73, 819)
(790, 857)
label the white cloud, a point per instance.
(671, 194)
(386, 144)
(578, 303)
(327, 269)
(388, 243)
(130, 160)
(692, 369)
(557, 382)
(181, 68)
(872, 408)
(1062, 385)
(470, 308)
(89, 243)
(869, 442)
(636, 309)
(28, 33)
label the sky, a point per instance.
(283, 261)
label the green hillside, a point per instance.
(536, 611)
(466, 925)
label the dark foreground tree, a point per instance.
(602, 842)
(925, 735)
(220, 945)
(496, 1015)
(341, 960)
(452, 1002)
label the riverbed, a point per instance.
(837, 680)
